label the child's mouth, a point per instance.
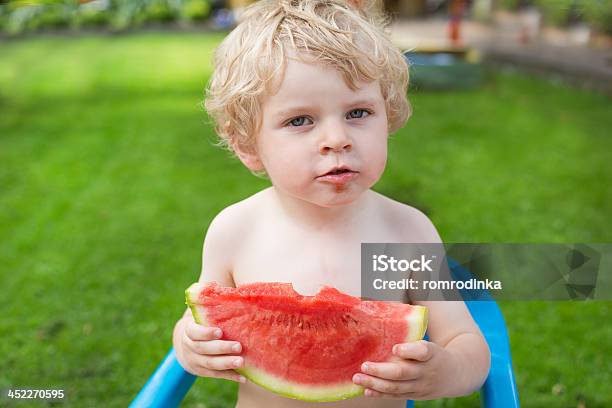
(338, 176)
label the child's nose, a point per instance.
(335, 138)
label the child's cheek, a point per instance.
(375, 160)
(290, 170)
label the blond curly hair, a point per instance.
(250, 62)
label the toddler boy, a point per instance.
(307, 93)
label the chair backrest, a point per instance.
(167, 386)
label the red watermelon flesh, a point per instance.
(305, 347)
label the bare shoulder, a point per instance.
(228, 229)
(408, 222)
(230, 222)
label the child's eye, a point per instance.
(296, 122)
(357, 113)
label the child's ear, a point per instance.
(248, 157)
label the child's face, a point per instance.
(315, 123)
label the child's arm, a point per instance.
(197, 347)
(454, 362)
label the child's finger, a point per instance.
(226, 375)
(198, 332)
(401, 370)
(409, 395)
(215, 347)
(220, 362)
(419, 350)
(371, 393)
(384, 386)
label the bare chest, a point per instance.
(307, 260)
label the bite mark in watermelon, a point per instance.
(305, 347)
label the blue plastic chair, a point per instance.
(170, 382)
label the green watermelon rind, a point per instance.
(192, 305)
(303, 392)
(419, 315)
(319, 393)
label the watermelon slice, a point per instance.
(305, 347)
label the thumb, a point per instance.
(419, 350)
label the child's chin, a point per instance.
(339, 198)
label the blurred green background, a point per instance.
(20, 17)
(109, 180)
(124, 15)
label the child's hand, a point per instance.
(421, 371)
(203, 354)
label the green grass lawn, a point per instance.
(108, 181)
